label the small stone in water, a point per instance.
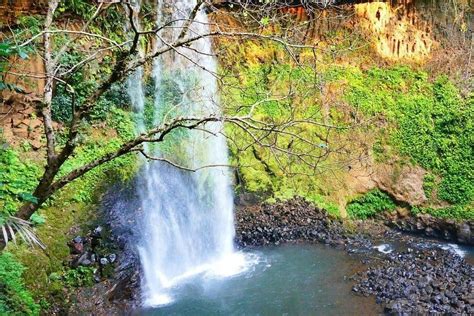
(104, 261)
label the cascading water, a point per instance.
(187, 226)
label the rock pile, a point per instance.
(292, 221)
(89, 251)
(421, 282)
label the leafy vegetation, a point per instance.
(429, 122)
(424, 119)
(7, 51)
(370, 204)
(14, 297)
(429, 183)
(74, 205)
(459, 212)
(18, 179)
(81, 276)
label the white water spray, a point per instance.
(187, 226)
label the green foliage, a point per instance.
(117, 169)
(82, 8)
(7, 51)
(429, 183)
(423, 119)
(37, 219)
(62, 103)
(370, 204)
(76, 204)
(14, 297)
(122, 122)
(439, 136)
(110, 22)
(84, 81)
(115, 97)
(429, 122)
(17, 180)
(80, 276)
(459, 212)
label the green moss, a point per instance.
(272, 92)
(426, 120)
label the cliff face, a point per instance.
(12, 9)
(369, 40)
(397, 32)
(413, 31)
(434, 35)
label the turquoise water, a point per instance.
(284, 280)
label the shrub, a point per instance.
(370, 204)
(82, 276)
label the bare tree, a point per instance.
(305, 139)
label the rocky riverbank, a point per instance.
(419, 277)
(296, 220)
(430, 226)
(420, 281)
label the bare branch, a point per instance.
(147, 156)
(48, 89)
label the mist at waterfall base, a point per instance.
(186, 225)
(290, 279)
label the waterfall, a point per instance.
(187, 224)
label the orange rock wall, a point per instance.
(11, 9)
(397, 31)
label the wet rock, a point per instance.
(403, 284)
(423, 279)
(104, 261)
(247, 199)
(97, 232)
(464, 233)
(290, 221)
(82, 260)
(112, 258)
(432, 226)
(76, 245)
